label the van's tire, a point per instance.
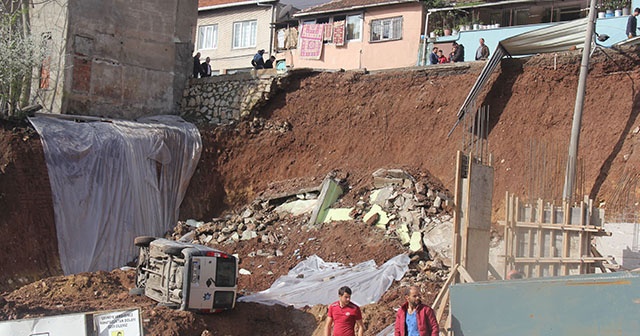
(135, 291)
(143, 241)
(172, 250)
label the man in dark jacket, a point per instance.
(414, 318)
(258, 61)
(206, 68)
(458, 56)
(632, 24)
(433, 56)
(196, 65)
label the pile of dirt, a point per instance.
(352, 123)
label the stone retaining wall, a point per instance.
(226, 98)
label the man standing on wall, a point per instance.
(632, 24)
(258, 61)
(433, 57)
(458, 55)
(206, 68)
(483, 51)
(196, 65)
(415, 319)
(344, 315)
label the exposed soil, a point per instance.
(350, 123)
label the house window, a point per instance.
(386, 29)
(244, 34)
(208, 37)
(354, 27)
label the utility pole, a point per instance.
(570, 175)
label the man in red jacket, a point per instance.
(414, 318)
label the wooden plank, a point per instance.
(464, 274)
(494, 272)
(442, 307)
(507, 236)
(456, 212)
(445, 287)
(538, 249)
(594, 229)
(565, 238)
(530, 260)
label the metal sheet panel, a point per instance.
(593, 304)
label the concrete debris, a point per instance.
(408, 210)
(243, 271)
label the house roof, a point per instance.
(215, 4)
(303, 4)
(345, 5)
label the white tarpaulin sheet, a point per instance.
(113, 180)
(315, 281)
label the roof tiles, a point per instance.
(346, 4)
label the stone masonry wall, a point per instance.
(226, 98)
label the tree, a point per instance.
(19, 54)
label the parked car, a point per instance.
(186, 276)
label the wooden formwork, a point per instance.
(545, 239)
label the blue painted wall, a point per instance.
(585, 305)
(614, 27)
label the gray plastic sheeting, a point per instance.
(113, 180)
(315, 281)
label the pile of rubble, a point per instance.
(416, 214)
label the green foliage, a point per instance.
(436, 3)
(19, 54)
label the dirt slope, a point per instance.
(357, 123)
(352, 123)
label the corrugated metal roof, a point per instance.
(303, 4)
(213, 4)
(344, 5)
(209, 3)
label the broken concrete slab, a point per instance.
(384, 218)
(403, 234)
(282, 197)
(383, 177)
(380, 196)
(340, 214)
(298, 207)
(329, 193)
(415, 243)
(248, 235)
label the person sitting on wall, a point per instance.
(268, 64)
(258, 61)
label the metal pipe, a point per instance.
(424, 47)
(570, 176)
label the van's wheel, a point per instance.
(135, 291)
(143, 241)
(172, 250)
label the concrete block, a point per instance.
(341, 214)
(415, 243)
(329, 193)
(384, 218)
(403, 234)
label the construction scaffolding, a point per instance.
(545, 239)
